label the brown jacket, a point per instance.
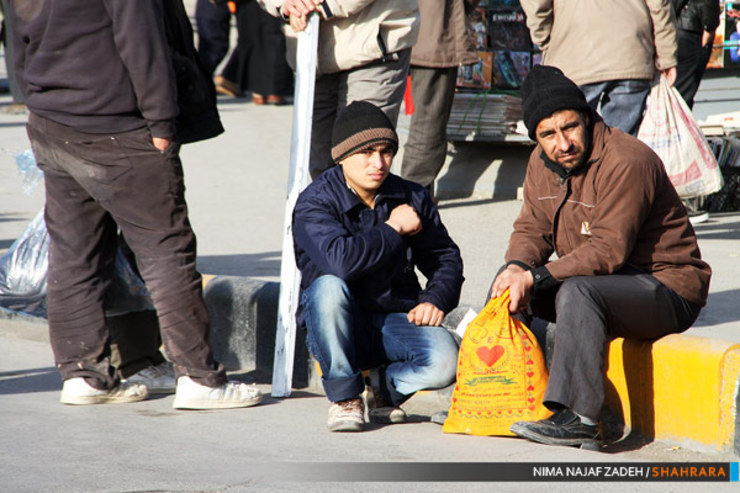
(619, 210)
(445, 36)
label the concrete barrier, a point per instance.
(679, 388)
(243, 315)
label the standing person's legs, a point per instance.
(81, 255)
(424, 153)
(327, 100)
(213, 23)
(269, 72)
(125, 177)
(593, 93)
(590, 311)
(623, 104)
(692, 62)
(382, 83)
(233, 77)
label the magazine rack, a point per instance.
(487, 105)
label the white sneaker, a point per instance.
(77, 391)
(347, 415)
(192, 395)
(158, 379)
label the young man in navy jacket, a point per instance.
(359, 234)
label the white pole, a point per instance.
(300, 148)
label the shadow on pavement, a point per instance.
(725, 303)
(265, 264)
(30, 380)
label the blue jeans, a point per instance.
(345, 340)
(622, 102)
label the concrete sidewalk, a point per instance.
(236, 190)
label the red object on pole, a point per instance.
(408, 100)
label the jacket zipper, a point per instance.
(564, 183)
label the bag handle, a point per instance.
(496, 304)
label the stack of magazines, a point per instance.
(485, 116)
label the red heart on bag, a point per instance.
(490, 355)
(527, 348)
(530, 400)
(530, 374)
(530, 388)
(530, 362)
(454, 399)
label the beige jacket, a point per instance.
(445, 36)
(600, 40)
(353, 33)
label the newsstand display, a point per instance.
(487, 104)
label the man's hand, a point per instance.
(707, 38)
(404, 220)
(519, 282)
(298, 22)
(425, 314)
(161, 144)
(299, 7)
(670, 75)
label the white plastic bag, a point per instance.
(670, 130)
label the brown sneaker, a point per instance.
(380, 411)
(225, 86)
(347, 415)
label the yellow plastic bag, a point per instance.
(501, 375)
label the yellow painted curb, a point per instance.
(677, 388)
(207, 278)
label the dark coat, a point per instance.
(198, 118)
(334, 233)
(697, 15)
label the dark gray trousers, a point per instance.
(424, 153)
(96, 183)
(588, 312)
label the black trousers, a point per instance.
(258, 62)
(589, 311)
(95, 184)
(213, 23)
(692, 63)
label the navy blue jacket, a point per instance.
(335, 233)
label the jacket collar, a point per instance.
(391, 188)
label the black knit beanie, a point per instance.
(359, 125)
(547, 90)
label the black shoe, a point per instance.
(562, 428)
